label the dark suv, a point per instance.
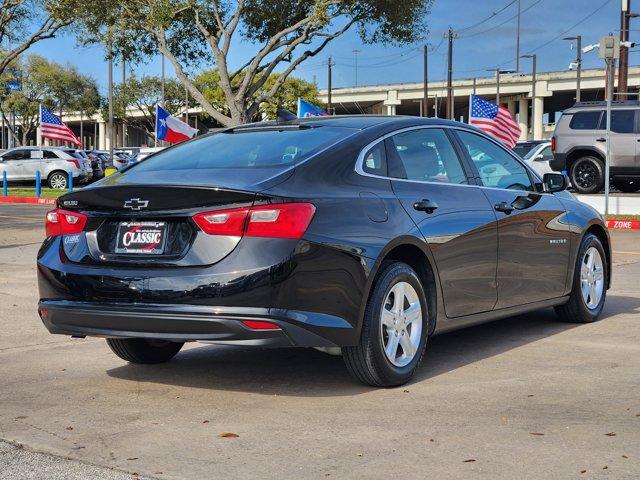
(579, 143)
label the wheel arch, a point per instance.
(415, 253)
(578, 152)
(57, 170)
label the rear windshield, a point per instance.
(245, 149)
(522, 149)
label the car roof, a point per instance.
(359, 122)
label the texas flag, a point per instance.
(171, 129)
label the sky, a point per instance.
(490, 43)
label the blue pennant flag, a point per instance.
(306, 109)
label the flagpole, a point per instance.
(470, 108)
(155, 133)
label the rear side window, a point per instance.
(585, 120)
(375, 160)
(268, 148)
(48, 154)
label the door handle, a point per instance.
(425, 205)
(601, 139)
(503, 207)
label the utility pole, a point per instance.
(533, 58)
(623, 69)
(355, 56)
(518, 39)
(425, 79)
(162, 80)
(329, 104)
(498, 73)
(577, 63)
(450, 36)
(110, 53)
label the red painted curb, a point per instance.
(623, 224)
(33, 200)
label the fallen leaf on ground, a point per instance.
(228, 435)
(206, 421)
(624, 456)
(536, 433)
(610, 434)
(359, 454)
(69, 428)
(406, 391)
(21, 417)
(132, 458)
(470, 460)
(583, 471)
(529, 395)
(605, 467)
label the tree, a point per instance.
(135, 101)
(25, 22)
(285, 32)
(52, 85)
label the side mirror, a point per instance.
(554, 182)
(538, 158)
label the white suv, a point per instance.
(54, 165)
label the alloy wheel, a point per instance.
(401, 324)
(58, 181)
(592, 278)
(585, 175)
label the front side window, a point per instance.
(16, 155)
(622, 121)
(497, 168)
(585, 120)
(427, 155)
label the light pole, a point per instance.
(534, 59)
(498, 73)
(578, 62)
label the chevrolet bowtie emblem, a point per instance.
(136, 204)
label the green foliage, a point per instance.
(134, 101)
(285, 33)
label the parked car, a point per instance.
(54, 164)
(94, 164)
(524, 147)
(538, 157)
(120, 160)
(145, 152)
(361, 234)
(579, 145)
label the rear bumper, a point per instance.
(188, 323)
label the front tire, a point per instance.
(587, 175)
(141, 350)
(58, 180)
(394, 330)
(590, 280)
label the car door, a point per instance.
(431, 181)
(624, 139)
(12, 162)
(533, 232)
(31, 164)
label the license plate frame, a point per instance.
(143, 238)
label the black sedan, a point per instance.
(361, 235)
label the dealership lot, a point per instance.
(522, 397)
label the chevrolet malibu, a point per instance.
(356, 235)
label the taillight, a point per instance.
(553, 144)
(63, 222)
(284, 220)
(260, 325)
(75, 162)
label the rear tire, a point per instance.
(587, 175)
(627, 186)
(585, 303)
(394, 331)
(58, 180)
(141, 350)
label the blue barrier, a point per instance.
(38, 184)
(5, 190)
(70, 182)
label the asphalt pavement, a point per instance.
(524, 397)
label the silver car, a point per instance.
(54, 165)
(580, 145)
(539, 157)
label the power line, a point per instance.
(494, 14)
(471, 35)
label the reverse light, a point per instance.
(63, 222)
(284, 220)
(553, 144)
(260, 325)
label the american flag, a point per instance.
(52, 127)
(495, 120)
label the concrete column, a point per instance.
(523, 120)
(103, 141)
(391, 109)
(511, 106)
(392, 101)
(537, 122)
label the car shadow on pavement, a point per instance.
(304, 372)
